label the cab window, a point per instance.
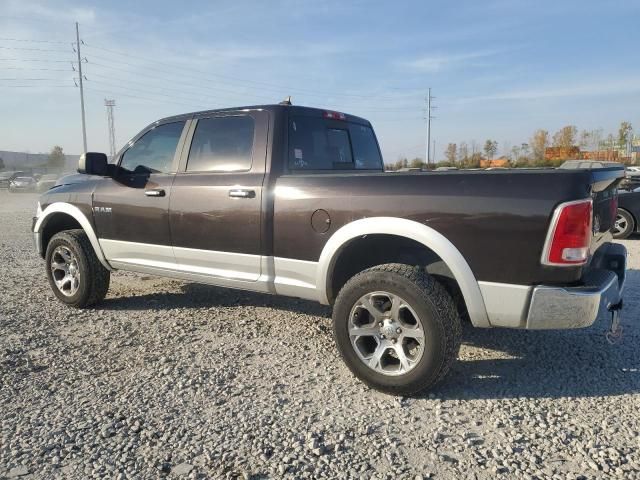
(321, 144)
(154, 151)
(222, 144)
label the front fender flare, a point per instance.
(76, 213)
(423, 234)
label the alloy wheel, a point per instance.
(65, 271)
(386, 333)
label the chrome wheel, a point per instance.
(386, 333)
(65, 271)
(621, 224)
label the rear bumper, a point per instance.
(554, 307)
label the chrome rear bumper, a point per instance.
(555, 307)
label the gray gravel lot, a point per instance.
(170, 378)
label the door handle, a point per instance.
(241, 193)
(156, 192)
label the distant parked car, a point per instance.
(45, 182)
(628, 217)
(22, 184)
(633, 170)
(7, 177)
(590, 164)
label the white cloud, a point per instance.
(618, 86)
(42, 11)
(439, 62)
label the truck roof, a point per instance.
(293, 109)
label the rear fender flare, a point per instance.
(415, 231)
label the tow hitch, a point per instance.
(614, 334)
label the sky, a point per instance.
(499, 69)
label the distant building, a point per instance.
(562, 153)
(34, 162)
(496, 162)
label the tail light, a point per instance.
(569, 234)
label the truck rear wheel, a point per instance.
(75, 274)
(396, 328)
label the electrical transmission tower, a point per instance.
(112, 129)
(428, 118)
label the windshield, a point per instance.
(323, 144)
(23, 179)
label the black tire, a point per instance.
(432, 304)
(94, 277)
(628, 223)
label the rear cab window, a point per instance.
(323, 144)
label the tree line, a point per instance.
(528, 154)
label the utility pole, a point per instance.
(84, 126)
(429, 117)
(111, 125)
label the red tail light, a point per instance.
(569, 234)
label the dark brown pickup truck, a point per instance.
(295, 201)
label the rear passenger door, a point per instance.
(215, 208)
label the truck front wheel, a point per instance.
(396, 328)
(76, 275)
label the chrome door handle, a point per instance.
(242, 193)
(156, 192)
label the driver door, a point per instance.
(131, 210)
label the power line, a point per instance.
(182, 83)
(147, 87)
(138, 97)
(36, 86)
(280, 88)
(33, 49)
(30, 41)
(38, 69)
(34, 60)
(25, 79)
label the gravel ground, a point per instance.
(170, 378)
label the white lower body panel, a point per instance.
(284, 276)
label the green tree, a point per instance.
(415, 163)
(451, 153)
(463, 152)
(490, 148)
(474, 160)
(515, 154)
(624, 134)
(565, 137)
(539, 142)
(56, 159)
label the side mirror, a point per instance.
(93, 163)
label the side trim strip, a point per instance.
(76, 213)
(415, 231)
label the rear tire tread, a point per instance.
(448, 320)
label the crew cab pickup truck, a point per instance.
(295, 201)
